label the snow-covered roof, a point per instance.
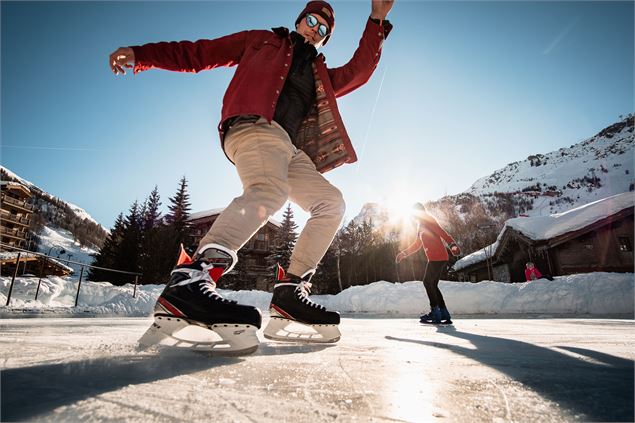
(11, 184)
(539, 228)
(9, 255)
(476, 257)
(205, 213)
(213, 212)
(547, 227)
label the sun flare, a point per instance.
(399, 207)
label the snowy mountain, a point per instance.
(542, 184)
(58, 221)
(596, 168)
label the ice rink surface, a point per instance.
(383, 369)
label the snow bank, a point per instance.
(585, 294)
(57, 296)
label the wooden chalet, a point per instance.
(256, 250)
(29, 263)
(596, 237)
(15, 213)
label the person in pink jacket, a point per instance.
(433, 239)
(531, 272)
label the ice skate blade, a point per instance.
(279, 329)
(222, 339)
(436, 324)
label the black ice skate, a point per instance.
(294, 317)
(191, 314)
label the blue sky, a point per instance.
(463, 88)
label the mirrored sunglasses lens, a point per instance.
(322, 30)
(311, 20)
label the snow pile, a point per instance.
(586, 294)
(590, 293)
(593, 293)
(57, 294)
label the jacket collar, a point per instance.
(281, 31)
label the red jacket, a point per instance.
(535, 272)
(263, 59)
(431, 237)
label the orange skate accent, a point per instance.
(184, 258)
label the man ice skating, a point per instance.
(431, 237)
(281, 128)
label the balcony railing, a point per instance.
(13, 232)
(10, 217)
(17, 203)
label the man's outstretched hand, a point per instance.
(122, 58)
(380, 8)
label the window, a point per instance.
(625, 243)
(588, 241)
(261, 237)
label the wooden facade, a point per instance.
(34, 264)
(15, 213)
(604, 246)
(256, 250)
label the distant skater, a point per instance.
(431, 237)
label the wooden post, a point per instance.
(37, 291)
(17, 264)
(81, 273)
(136, 281)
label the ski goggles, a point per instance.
(311, 20)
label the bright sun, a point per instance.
(399, 206)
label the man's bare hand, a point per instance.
(380, 8)
(122, 58)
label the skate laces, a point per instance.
(207, 284)
(303, 290)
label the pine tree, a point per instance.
(127, 257)
(176, 230)
(180, 209)
(325, 280)
(151, 216)
(284, 242)
(151, 260)
(108, 252)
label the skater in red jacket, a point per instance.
(431, 237)
(281, 128)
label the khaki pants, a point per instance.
(273, 170)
